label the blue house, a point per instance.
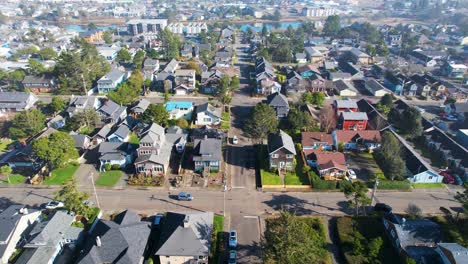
(179, 110)
(395, 83)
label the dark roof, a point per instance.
(17, 100)
(277, 99)
(122, 240)
(280, 140)
(36, 79)
(376, 120)
(207, 149)
(200, 133)
(344, 85)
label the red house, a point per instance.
(347, 105)
(353, 121)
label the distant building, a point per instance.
(318, 11)
(92, 36)
(39, 84)
(141, 26)
(16, 101)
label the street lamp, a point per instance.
(224, 199)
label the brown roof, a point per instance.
(309, 138)
(308, 67)
(348, 135)
(328, 160)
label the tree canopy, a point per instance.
(332, 25)
(301, 121)
(356, 192)
(156, 113)
(263, 122)
(74, 199)
(129, 91)
(123, 55)
(389, 157)
(57, 105)
(138, 59)
(172, 43)
(58, 149)
(26, 124)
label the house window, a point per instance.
(274, 156)
(289, 156)
(430, 177)
(207, 119)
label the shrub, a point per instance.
(107, 167)
(323, 184)
(391, 185)
(115, 167)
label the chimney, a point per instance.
(186, 222)
(98, 241)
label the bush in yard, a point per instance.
(115, 167)
(413, 211)
(107, 167)
(320, 184)
(391, 185)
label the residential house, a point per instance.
(171, 66)
(82, 142)
(120, 134)
(224, 56)
(301, 57)
(375, 88)
(353, 70)
(265, 77)
(281, 151)
(428, 58)
(462, 137)
(453, 70)
(101, 135)
(345, 105)
(394, 40)
(207, 132)
(314, 55)
(57, 122)
(111, 81)
(318, 84)
(330, 165)
(49, 237)
(81, 103)
(109, 53)
(15, 222)
(39, 84)
(184, 81)
(178, 110)
(457, 109)
(186, 51)
(295, 83)
(413, 238)
(353, 121)
(151, 65)
(395, 83)
(357, 140)
(358, 56)
(424, 85)
(114, 153)
(137, 110)
(335, 76)
(16, 101)
(92, 36)
(208, 115)
(111, 112)
(452, 253)
(345, 88)
(122, 240)
(195, 230)
(207, 154)
(155, 150)
(279, 103)
(268, 86)
(308, 71)
(376, 121)
(316, 141)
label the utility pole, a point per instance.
(224, 199)
(374, 190)
(95, 193)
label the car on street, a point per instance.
(451, 118)
(54, 205)
(233, 238)
(183, 196)
(235, 140)
(351, 174)
(232, 257)
(157, 219)
(382, 207)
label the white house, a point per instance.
(14, 222)
(179, 110)
(375, 88)
(208, 115)
(345, 88)
(111, 81)
(426, 176)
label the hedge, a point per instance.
(391, 185)
(323, 184)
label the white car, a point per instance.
(54, 205)
(235, 140)
(351, 174)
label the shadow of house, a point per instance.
(376, 121)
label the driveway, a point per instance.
(363, 164)
(248, 238)
(83, 174)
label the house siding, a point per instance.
(279, 159)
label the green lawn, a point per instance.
(428, 185)
(60, 176)
(5, 143)
(225, 116)
(225, 125)
(15, 179)
(109, 178)
(134, 139)
(269, 178)
(217, 241)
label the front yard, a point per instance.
(109, 178)
(14, 179)
(60, 176)
(428, 185)
(217, 241)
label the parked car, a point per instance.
(183, 196)
(235, 140)
(381, 207)
(233, 238)
(451, 118)
(54, 205)
(351, 174)
(232, 257)
(157, 219)
(448, 178)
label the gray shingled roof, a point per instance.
(207, 149)
(114, 75)
(280, 140)
(9, 218)
(141, 106)
(192, 240)
(122, 240)
(347, 103)
(354, 116)
(79, 140)
(109, 107)
(209, 108)
(122, 131)
(16, 100)
(344, 85)
(459, 253)
(277, 99)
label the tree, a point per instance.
(410, 122)
(35, 67)
(327, 119)
(156, 113)
(171, 43)
(129, 91)
(6, 170)
(124, 55)
(47, 53)
(276, 15)
(92, 26)
(138, 59)
(108, 36)
(87, 118)
(235, 83)
(290, 240)
(463, 199)
(263, 121)
(57, 105)
(413, 211)
(302, 121)
(193, 65)
(332, 25)
(387, 100)
(373, 249)
(15, 77)
(357, 194)
(371, 50)
(27, 123)
(264, 31)
(73, 199)
(182, 123)
(58, 149)
(388, 157)
(317, 98)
